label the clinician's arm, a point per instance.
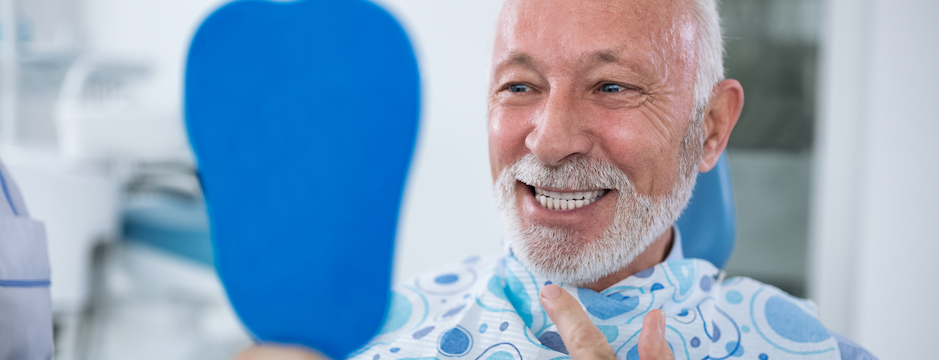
(25, 303)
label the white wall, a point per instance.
(154, 32)
(449, 211)
(876, 211)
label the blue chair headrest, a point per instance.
(708, 225)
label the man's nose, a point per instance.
(558, 131)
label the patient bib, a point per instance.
(488, 308)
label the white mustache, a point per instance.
(577, 173)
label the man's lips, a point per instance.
(566, 200)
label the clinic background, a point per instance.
(834, 163)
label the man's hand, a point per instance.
(585, 342)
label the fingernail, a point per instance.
(550, 292)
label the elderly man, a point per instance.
(601, 114)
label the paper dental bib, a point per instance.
(488, 309)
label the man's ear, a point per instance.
(719, 120)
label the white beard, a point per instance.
(562, 254)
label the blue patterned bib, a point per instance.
(488, 309)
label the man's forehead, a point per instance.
(537, 9)
(517, 57)
(592, 31)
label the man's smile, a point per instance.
(566, 200)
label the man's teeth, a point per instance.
(556, 200)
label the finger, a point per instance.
(652, 343)
(279, 352)
(581, 337)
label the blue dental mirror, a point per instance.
(303, 117)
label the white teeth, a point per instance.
(556, 200)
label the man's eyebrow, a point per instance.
(605, 56)
(602, 57)
(515, 58)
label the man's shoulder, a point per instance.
(784, 312)
(754, 314)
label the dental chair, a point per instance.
(303, 117)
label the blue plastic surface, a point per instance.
(303, 117)
(708, 225)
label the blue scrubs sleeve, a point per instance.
(25, 302)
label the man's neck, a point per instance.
(654, 254)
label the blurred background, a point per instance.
(834, 163)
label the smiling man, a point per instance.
(596, 132)
(601, 115)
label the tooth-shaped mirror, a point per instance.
(303, 117)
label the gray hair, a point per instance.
(710, 52)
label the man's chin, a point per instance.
(561, 272)
(564, 258)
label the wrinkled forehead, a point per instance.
(658, 33)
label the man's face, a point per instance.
(593, 100)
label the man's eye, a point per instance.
(611, 88)
(517, 88)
